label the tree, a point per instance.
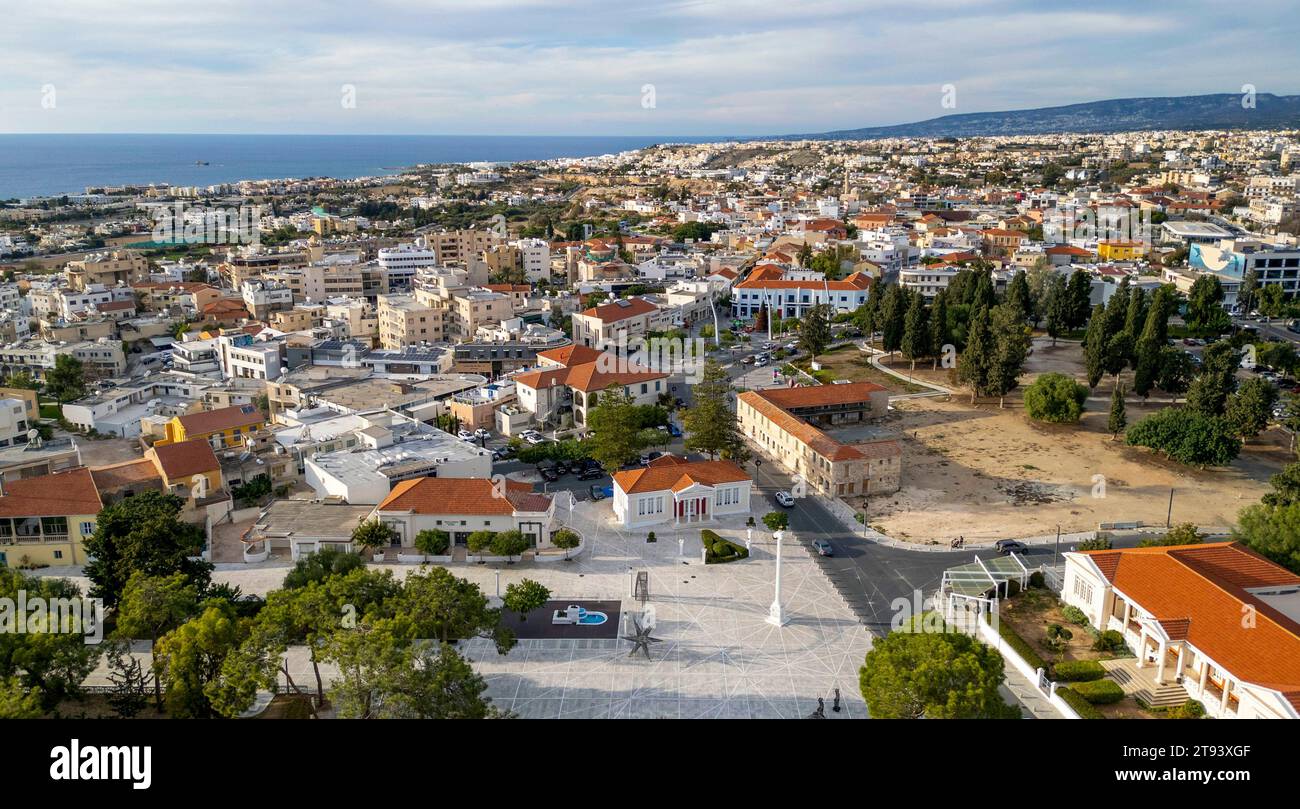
(1018, 295)
(320, 565)
(1094, 346)
(130, 692)
(432, 542)
(509, 543)
(1080, 297)
(815, 332)
(916, 333)
(152, 606)
(1285, 487)
(66, 381)
(18, 701)
(22, 380)
(1181, 534)
(1209, 391)
(1280, 356)
(1058, 308)
(1205, 314)
(619, 438)
(143, 534)
(1248, 289)
(1055, 398)
(975, 365)
(1151, 343)
(449, 608)
(47, 659)
(1272, 531)
(1186, 436)
(912, 673)
(1176, 371)
(189, 658)
(1248, 409)
(776, 520)
(940, 334)
(892, 318)
(566, 539)
(479, 541)
(710, 422)
(1011, 347)
(372, 535)
(525, 596)
(1272, 299)
(1118, 418)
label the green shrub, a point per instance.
(1100, 692)
(718, 550)
(1186, 436)
(1021, 646)
(1055, 398)
(1081, 706)
(1101, 542)
(1109, 641)
(433, 542)
(1079, 671)
(1074, 615)
(1191, 709)
(1037, 580)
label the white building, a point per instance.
(673, 490)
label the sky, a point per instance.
(556, 67)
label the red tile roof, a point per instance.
(1200, 592)
(463, 496)
(678, 474)
(186, 458)
(226, 418)
(615, 311)
(60, 494)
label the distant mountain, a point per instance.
(1217, 111)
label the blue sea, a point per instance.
(44, 165)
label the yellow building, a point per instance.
(1121, 251)
(44, 520)
(189, 469)
(222, 428)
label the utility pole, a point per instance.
(1169, 514)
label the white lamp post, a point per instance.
(776, 613)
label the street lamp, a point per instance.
(776, 613)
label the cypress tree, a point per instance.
(1118, 419)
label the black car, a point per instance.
(591, 473)
(562, 467)
(548, 473)
(1005, 546)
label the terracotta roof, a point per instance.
(678, 474)
(620, 310)
(805, 433)
(462, 496)
(570, 354)
(589, 370)
(766, 280)
(60, 494)
(1200, 593)
(822, 395)
(186, 458)
(225, 418)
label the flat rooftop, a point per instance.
(310, 519)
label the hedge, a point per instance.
(719, 551)
(1022, 648)
(1100, 692)
(1081, 706)
(1079, 671)
(1074, 615)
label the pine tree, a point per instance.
(974, 365)
(815, 332)
(939, 334)
(916, 335)
(1094, 346)
(1118, 419)
(1018, 294)
(710, 422)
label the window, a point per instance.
(58, 554)
(1083, 589)
(88, 528)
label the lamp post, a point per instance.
(776, 613)
(498, 583)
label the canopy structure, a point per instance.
(982, 580)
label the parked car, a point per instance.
(482, 433)
(823, 547)
(761, 361)
(1005, 546)
(591, 473)
(562, 467)
(534, 439)
(674, 430)
(785, 499)
(597, 492)
(647, 457)
(548, 473)
(747, 361)
(465, 435)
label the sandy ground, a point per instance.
(986, 473)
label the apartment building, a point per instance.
(244, 356)
(404, 320)
(107, 269)
(262, 297)
(572, 380)
(44, 520)
(605, 325)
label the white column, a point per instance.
(1141, 649)
(776, 613)
(1223, 698)
(1162, 652)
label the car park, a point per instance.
(562, 467)
(548, 473)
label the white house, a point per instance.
(674, 490)
(461, 506)
(1215, 619)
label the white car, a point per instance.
(465, 435)
(482, 433)
(534, 438)
(785, 499)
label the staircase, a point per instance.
(1141, 684)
